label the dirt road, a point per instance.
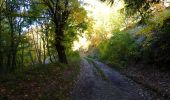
(90, 85)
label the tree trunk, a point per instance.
(1, 54)
(61, 53)
(59, 46)
(22, 56)
(59, 14)
(14, 52)
(48, 50)
(44, 45)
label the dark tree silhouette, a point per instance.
(59, 13)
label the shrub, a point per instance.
(119, 49)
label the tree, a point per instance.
(139, 8)
(53, 25)
(1, 11)
(59, 13)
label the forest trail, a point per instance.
(90, 85)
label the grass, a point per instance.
(97, 68)
(49, 82)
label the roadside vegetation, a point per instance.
(43, 82)
(141, 50)
(36, 56)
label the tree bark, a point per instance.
(1, 54)
(61, 53)
(59, 45)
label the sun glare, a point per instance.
(102, 14)
(82, 42)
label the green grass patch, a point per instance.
(90, 60)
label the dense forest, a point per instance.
(48, 46)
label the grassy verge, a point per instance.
(97, 68)
(49, 82)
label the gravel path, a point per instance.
(91, 86)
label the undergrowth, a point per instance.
(47, 82)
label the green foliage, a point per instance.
(72, 55)
(28, 31)
(76, 25)
(140, 9)
(155, 49)
(119, 49)
(161, 46)
(154, 23)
